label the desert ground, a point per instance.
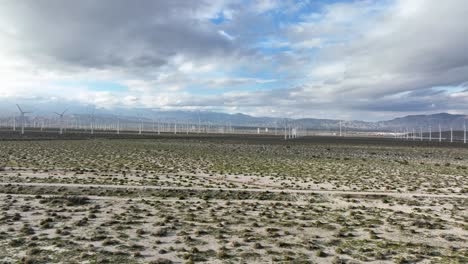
(232, 199)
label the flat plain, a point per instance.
(232, 199)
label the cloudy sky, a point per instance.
(365, 59)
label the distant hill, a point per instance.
(425, 121)
(408, 122)
(133, 115)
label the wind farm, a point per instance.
(76, 124)
(176, 184)
(233, 131)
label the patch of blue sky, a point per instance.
(259, 85)
(452, 89)
(312, 10)
(95, 85)
(266, 75)
(203, 90)
(219, 19)
(300, 10)
(296, 12)
(272, 44)
(273, 50)
(308, 11)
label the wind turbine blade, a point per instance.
(19, 108)
(64, 111)
(57, 113)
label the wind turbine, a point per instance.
(440, 134)
(340, 129)
(42, 124)
(140, 126)
(198, 121)
(451, 135)
(464, 133)
(118, 124)
(61, 120)
(156, 111)
(92, 122)
(22, 118)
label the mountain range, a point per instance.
(133, 115)
(410, 122)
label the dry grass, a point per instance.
(231, 202)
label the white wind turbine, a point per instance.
(464, 132)
(92, 122)
(198, 121)
(451, 134)
(440, 134)
(430, 133)
(140, 125)
(23, 113)
(42, 124)
(118, 124)
(61, 120)
(159, 127)
(340, 129)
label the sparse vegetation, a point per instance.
(211, 200)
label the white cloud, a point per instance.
(308, 44)
(261, 6)
(364, 58)
(226, 35)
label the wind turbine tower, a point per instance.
(198, 121)
(430, 133)
(340, 129)
(61, 120)
(23, 113)
(118, 125)
(140, 127)
(451, 135)
(92, 123)
(440, 134)
(464, 133)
